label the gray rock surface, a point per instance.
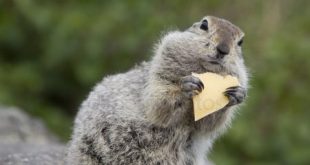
(16, 127)
(31, 154)
(26, 141)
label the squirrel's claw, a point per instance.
(235, 94)
(191, 85)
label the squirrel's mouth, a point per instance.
(215, 62)
(215, 66)
(209, 59)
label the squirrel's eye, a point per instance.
(204, 25)
(240, 42)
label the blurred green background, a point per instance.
(52, 52)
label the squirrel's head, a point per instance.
(220, 36)
(212, 44)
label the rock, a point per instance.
(32, 154)
(26, 141)
(16, 127)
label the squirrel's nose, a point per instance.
(222, 49)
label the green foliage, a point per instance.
(53, 52)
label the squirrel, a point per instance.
(145, 116)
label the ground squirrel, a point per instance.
(145, 116)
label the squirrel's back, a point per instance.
(117, 95)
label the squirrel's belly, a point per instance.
(200, 148)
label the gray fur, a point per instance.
(145, 116)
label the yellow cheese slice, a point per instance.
(212, 97)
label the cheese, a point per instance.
(212, 98)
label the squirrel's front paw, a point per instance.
(236, 95)
(191, 85)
